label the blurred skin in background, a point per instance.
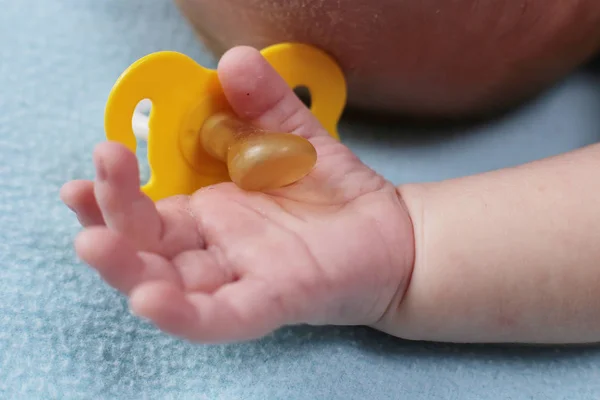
(433, 58)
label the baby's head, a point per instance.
(435, 57)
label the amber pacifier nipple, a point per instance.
(257, 159)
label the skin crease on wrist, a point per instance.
(506, 256)
(433, 58)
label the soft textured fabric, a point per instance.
(65, 335)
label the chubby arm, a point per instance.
(506, 256)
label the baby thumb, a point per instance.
(258, 93)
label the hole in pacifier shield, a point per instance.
(139, 124)
(303, 94)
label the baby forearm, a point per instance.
(507, 256)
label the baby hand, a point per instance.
(226, 265)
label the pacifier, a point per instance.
(195, 139)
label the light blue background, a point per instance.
(65, 335)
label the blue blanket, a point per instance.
(65, 335)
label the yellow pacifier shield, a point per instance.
(184, 95)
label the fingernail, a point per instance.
(100, 170)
